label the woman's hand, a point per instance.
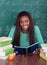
(37, 51)
(16, 52)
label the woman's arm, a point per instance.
(39, 39)
(11, 33)
(38, 35)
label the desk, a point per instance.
(24, 60)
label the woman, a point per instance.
(25, 31)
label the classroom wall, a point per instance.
(10, 8)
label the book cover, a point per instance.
(26, 50)
(6, 47)
(6, 52)
(9, 51)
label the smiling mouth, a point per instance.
(25, 26)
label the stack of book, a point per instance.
(5, 47)
(43, 51)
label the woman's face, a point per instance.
(24, 23)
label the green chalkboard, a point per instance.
(10, 8)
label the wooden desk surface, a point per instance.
(24, 60)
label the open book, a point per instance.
(26, 50)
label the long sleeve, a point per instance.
(11, 33)
(38, 35)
